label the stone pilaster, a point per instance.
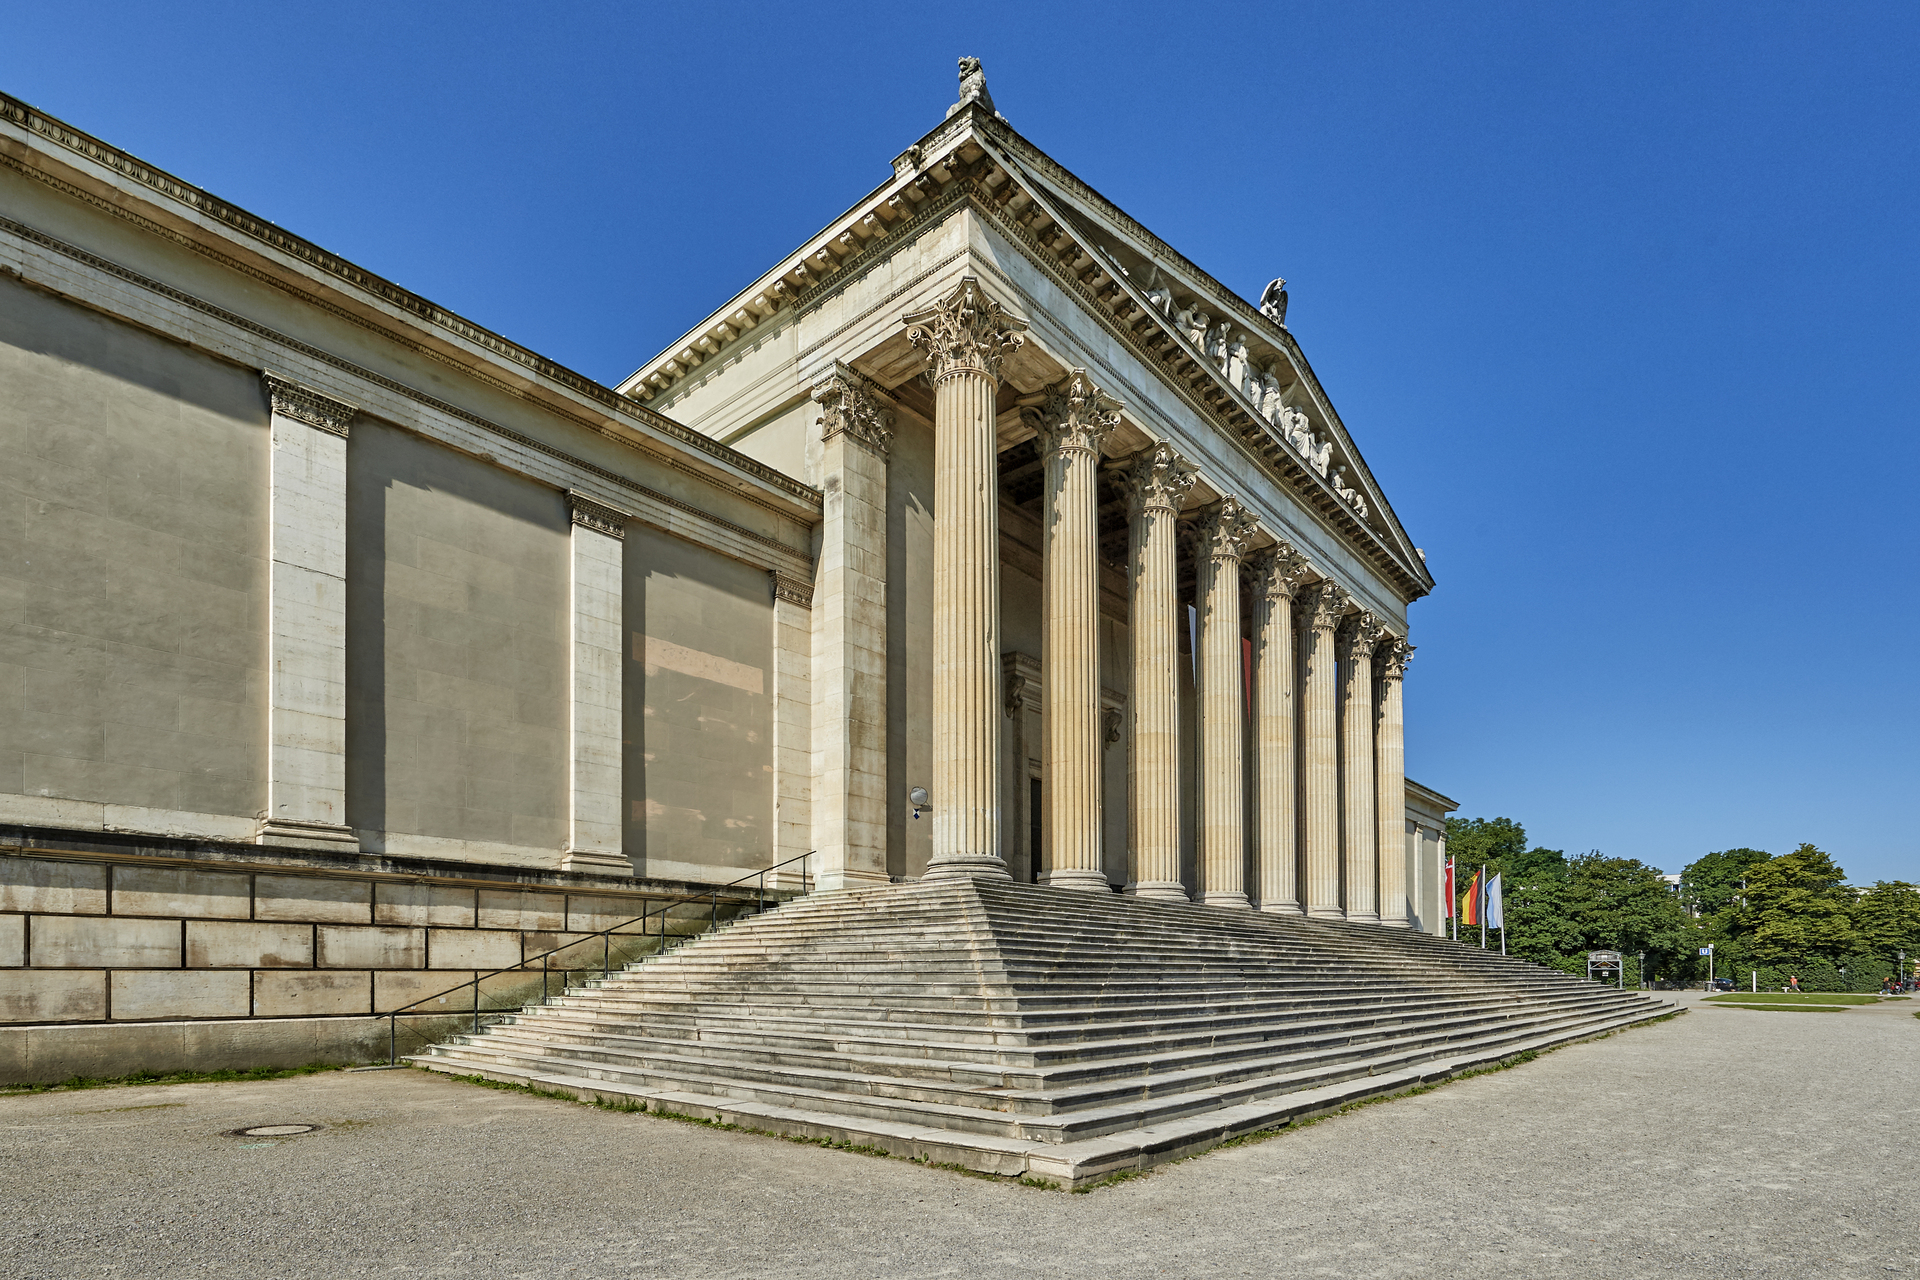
(1360, 823)
(1157, 485)
(594, 738)
(792, 730)
(849, 625)
(1321, 608)
(1223, 535)
(307, 621)
(965, 337)
(1276, 578)
(1390, 781)
(1072, 421)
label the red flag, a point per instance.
(1448, 895)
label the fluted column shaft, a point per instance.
(1071, 421)
(1157, 485)
(1360, 824)
(1321, 608)
(1276, 779)
(1390, 774)
(1223, 538)
(965, 338)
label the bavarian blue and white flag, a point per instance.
(1496, 904)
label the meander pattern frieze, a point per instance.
(304, 404)
(310, 254)
(597, 516)
(292, 344)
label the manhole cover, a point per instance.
(275, 1130)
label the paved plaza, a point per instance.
(1724, 1142)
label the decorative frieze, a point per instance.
(303, 404)
(968, 332)
(852, 405)
(597, 516)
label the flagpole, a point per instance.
(1480, 891)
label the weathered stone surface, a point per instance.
(280, 993)
(343, 946)
(90, 942)
(39, 884)
(180, 993)
(179, 891)
(312, 898)
(13, 941)
(423, 904)
(246, 945)
(28, 995)
(472, 948)
(522, 909)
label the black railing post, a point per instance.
(393, 1047)
(606, 954)
(713, 916)
(476, 1006)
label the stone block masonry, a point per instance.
(111, 965)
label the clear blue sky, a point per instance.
(1619, 300)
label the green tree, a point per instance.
(1622, 904)
(1887, 919)
(1534, 884)
(1711, 885)
(1796, 907)
(1472, 841)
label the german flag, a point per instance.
(1470, 901)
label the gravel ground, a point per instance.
(1722, 1143)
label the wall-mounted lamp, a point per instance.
(917, 797)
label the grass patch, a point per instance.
(171, 1077)
(1790, 1008)
(1793, 998)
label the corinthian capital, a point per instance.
(848, 403)
(303, 404)
(1074, 415)
(1226, 529)
(1277, 572)
(1324, 603)
(1391, 658)
(1158, 480)
(967, 333)
(1359, 635)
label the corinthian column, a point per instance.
(849, 623)
(1156, 486)
(1276, 576)
(1072, 421)
(1224, 534)
(965, 338)
(1390, 774)
(1360, 823)
(1321, 608)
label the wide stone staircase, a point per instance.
(1022, 1030)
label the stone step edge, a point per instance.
(1070, 1164)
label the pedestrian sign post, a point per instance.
(1602, 965)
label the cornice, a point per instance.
(597, 516)
(304, 404)
(289, 343)
(236, 220)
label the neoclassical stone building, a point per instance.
(348, 649)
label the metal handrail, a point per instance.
(606, 950)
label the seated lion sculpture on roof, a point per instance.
(973, 87)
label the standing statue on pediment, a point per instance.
(1240, 368)
(1348, 493)
(1193, 322)
(1159, 294)
(1269, 398)
(1320, 454)
(1273, 302)
(1217, 347)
